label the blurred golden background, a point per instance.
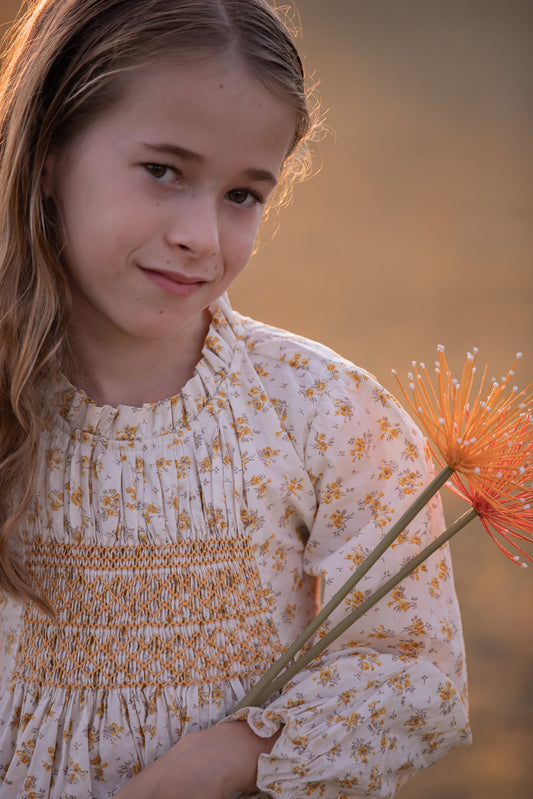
(417, 231)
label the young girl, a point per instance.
(176, 477)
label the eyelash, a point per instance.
(256, 197)
(152, 168)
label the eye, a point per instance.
(245, 197)
(162, 172)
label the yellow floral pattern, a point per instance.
(182, 544)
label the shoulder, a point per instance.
(293, 356)
(315, 379)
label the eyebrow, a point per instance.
(254, 173)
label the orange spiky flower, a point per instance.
(506, 510)
(510, 518)
(486, 437)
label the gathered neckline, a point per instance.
(128, 422)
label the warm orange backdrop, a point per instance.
(417, 231)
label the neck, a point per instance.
(116, 370)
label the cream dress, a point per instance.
(180, 544)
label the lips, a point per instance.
(174, 282)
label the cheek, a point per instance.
(240, 244)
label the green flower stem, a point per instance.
(253, 697)
(356, 614)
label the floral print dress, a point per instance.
(180, 545)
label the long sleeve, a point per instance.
(388, 698)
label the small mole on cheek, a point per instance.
(161, 313)
(220, 85)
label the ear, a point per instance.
(48, 176)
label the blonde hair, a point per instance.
(62, 66)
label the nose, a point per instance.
(194, 226)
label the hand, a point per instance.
(209, 764)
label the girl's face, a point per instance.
(160, 197)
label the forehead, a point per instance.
(206, 105)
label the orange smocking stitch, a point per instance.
(131, 616)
